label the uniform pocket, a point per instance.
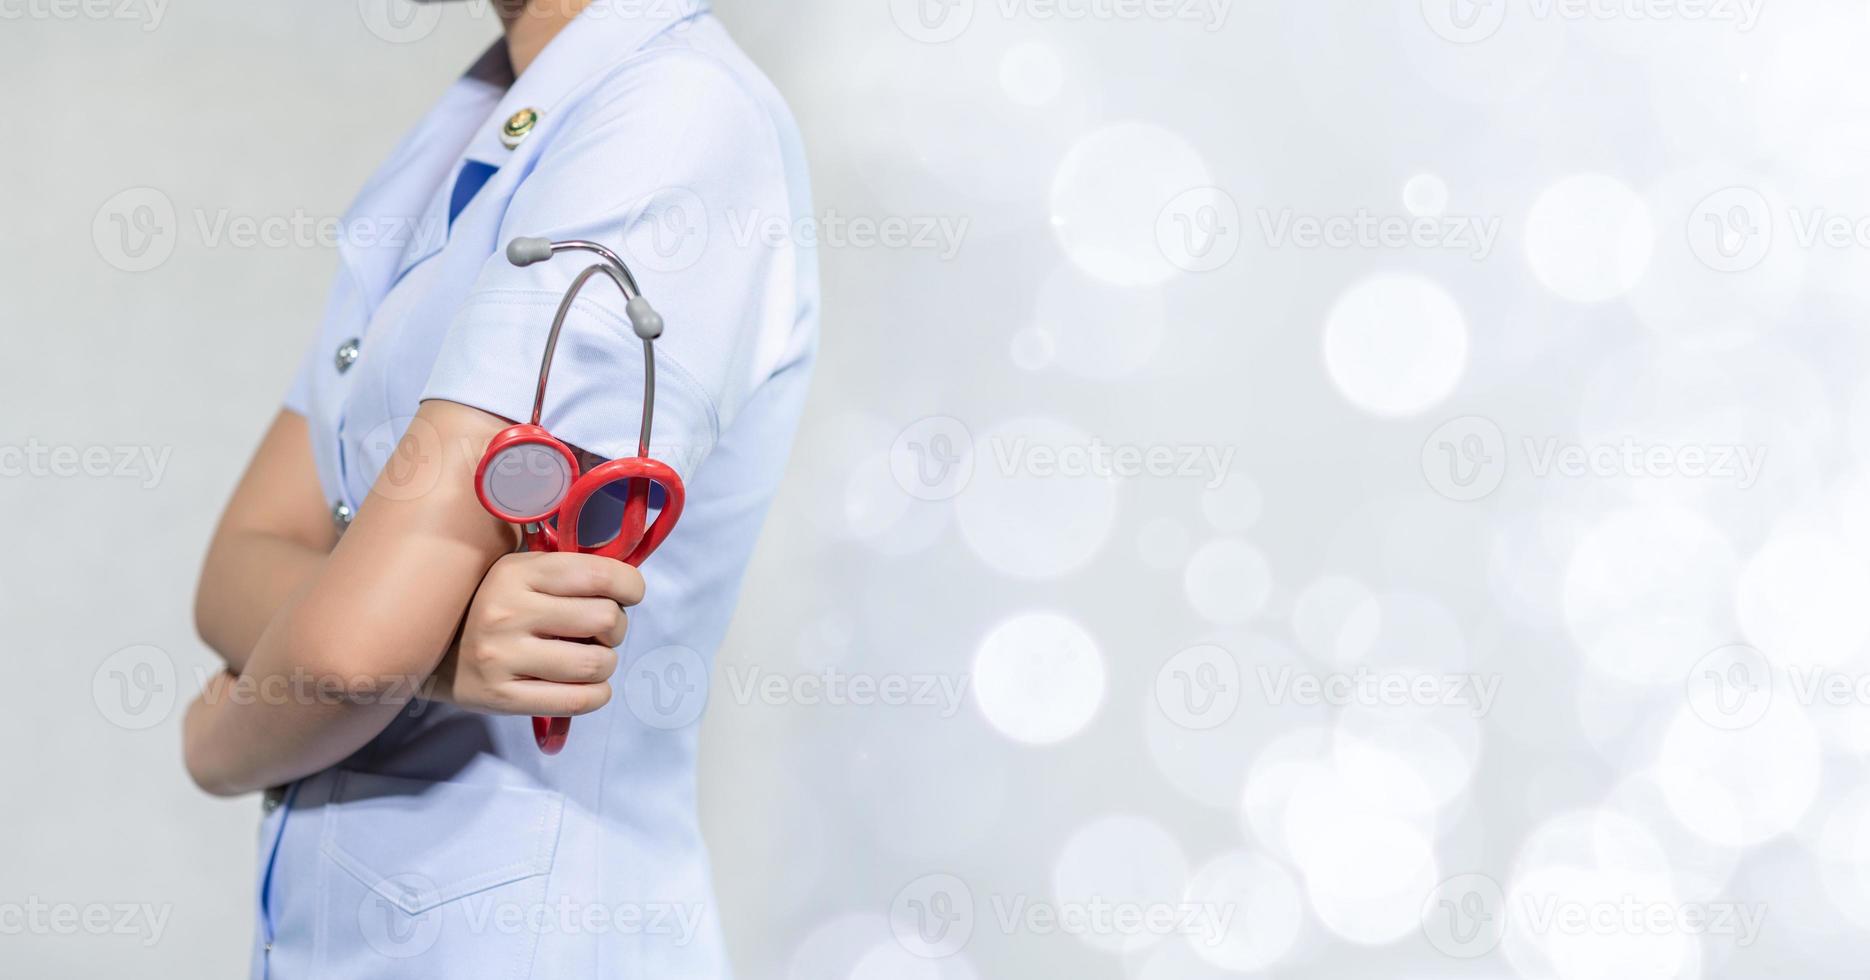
(434, 879)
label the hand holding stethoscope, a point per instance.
(530, 478)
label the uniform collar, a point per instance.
(603, 35)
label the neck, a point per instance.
(532, 24)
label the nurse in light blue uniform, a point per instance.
(450, 847)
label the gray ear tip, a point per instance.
(643, 318)
(524, 251)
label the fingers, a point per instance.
(563, 661)
(549, 700)
(570, 574)
(553, 617)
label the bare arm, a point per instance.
(272, 539)
(347, 649)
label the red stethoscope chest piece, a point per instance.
(525, 475)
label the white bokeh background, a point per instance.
(1493, 542)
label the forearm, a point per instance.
(288, 714)
(247, 580)
(355, 641)
(271, 542)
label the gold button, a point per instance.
(517, 126)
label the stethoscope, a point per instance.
(529, 478)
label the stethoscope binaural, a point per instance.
(530, 478)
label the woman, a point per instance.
(429, 837)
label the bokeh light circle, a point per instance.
(1025, 512)
(1120, 860)
(1108, 193)
(1038, 678)
(1267, 911)
(1227, 581)
(1589, 238)
(1396, 344)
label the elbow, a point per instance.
(204, 621)
(207, 620)
(206, 780)
(202, 757)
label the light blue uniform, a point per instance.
(450, 847)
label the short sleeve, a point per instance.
(676, 165)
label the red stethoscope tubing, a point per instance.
(631, 546)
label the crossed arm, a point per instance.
(326, 638)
